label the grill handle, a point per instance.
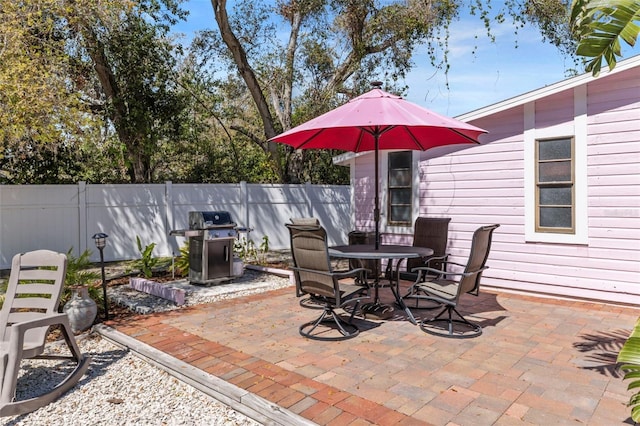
(226, 253)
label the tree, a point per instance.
(39, 105)
(136, 67)
(599, 26)
(334, 49)
(72, 70)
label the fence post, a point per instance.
(169, 214)
(82, 217)
(307, 196)
(244, 197)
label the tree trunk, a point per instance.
(250, 79)
(136, 169)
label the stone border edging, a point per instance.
(165, 291)
(247, 403)
(285, 273)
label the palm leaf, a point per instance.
(599, 25)
(630, 357)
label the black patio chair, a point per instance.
(316, 279)
(431, 232)
(442, 288)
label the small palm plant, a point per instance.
(80, 274)
(147, 262)
(629, 356)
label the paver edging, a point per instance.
(235, 397)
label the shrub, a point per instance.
(80, 274)
(147, 262)
(181, 265)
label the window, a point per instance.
(400, 189)
(555, 193)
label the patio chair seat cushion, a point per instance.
(441, 288)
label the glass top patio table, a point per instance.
(384, 251)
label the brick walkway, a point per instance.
(539, 361)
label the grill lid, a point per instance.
(210, 219)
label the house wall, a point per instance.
(362, 180)
(492, 183)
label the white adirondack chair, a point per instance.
(29, 309)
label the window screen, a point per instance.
(400, 188)
(555, 186)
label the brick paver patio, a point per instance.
(539, 361)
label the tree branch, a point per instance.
(248, 75)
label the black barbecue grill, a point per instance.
(211, 236)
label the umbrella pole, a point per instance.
(376, 209)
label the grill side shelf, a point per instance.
(187, 232)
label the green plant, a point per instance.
(629, 356)
(243, 247)
(181, 264)
(264, 249)
(147, 262)
(3, 290)
(246, 250)
(80, 274)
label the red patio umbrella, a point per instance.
(379, 120)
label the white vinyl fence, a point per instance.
(59, 217)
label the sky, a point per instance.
(495, 72)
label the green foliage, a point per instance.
(245, 249)
(600, 25)
(629, 356)
(88, 74)
(147, 261)
(80, 274)
(181, 265)
(331, 52)
(107, 83)
(78, 269)
(3, 290)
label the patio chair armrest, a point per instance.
(433, 259)
(424, 269)
(339, 275)
(53, 319)
(16, 341)
(447, 262)
(351, 273)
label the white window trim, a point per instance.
(384, 193)
(578, 130)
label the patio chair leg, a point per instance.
(346, 329)
(445, 327)
(353, 312)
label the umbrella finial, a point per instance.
(376, 84)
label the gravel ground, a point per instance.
(120, 388)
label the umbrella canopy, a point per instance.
(379, 120)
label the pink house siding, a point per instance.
(363, 192)
(491, 183)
